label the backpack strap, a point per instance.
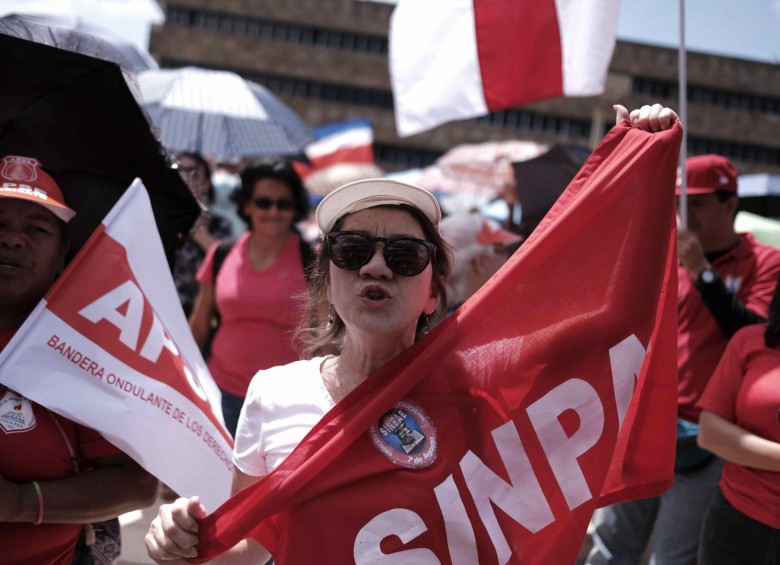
(221, 252)
(74, 461)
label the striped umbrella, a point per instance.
(220, 114)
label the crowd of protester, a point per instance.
(269, 285)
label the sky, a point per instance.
(748, 29)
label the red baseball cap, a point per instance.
(709, 173)
(22, 177)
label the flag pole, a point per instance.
(683, 108)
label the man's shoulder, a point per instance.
(761, 250)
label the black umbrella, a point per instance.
(541, 180)
(74, 34)
(77, 115)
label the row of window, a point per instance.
(235, 24)
(397, 157)
(707, 95)
(247, 26)
(744, 152)
(523, 120)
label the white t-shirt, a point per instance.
(282, 405)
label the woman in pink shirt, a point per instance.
(255, 295)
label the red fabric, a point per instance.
(745, 390)
(35, 450)
(255, 307)
(531, 28)
(527, 357)
(751, 267)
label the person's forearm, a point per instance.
(93, 496)
(202, 239)
(729, 312)
(245, 551)
(733, 443)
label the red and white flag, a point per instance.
(109, 347)
(343, 142)
(551, 392)
(457, 59)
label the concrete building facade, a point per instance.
(327, 59)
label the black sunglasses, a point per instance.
(265, 203)
(405, 256)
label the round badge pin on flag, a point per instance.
(406, 436)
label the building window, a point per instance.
(396, 157)
(744, 152)
(235, 24)
(707, 95)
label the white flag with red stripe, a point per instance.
(109, 347)
(458, 59)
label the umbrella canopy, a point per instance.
(77, 115)
(74, 34)
(481, 169)
(541, 180)
(760, 194)
(765, 230)
(218, 113)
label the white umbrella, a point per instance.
(765, 230)
(760, 184)
(218, 113)
(478, 169)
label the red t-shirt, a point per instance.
(258, 313)
(745, 390)
(32, 448)
(751, 269)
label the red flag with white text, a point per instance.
(465, 58)
(549, 393)
(110, 348)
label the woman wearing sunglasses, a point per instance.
(250, 287)
(379, 281)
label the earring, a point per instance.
(329, 323)
(425, 329)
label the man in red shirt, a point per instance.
(725, 282)
(44, 502)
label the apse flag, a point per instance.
(465, 58)
(109, 347)
(549, 393)
(343, 142)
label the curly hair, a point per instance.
(280, 170)
(318, 336)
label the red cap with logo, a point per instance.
(22, 177)
(709, 173)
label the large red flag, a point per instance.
(551, 392)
